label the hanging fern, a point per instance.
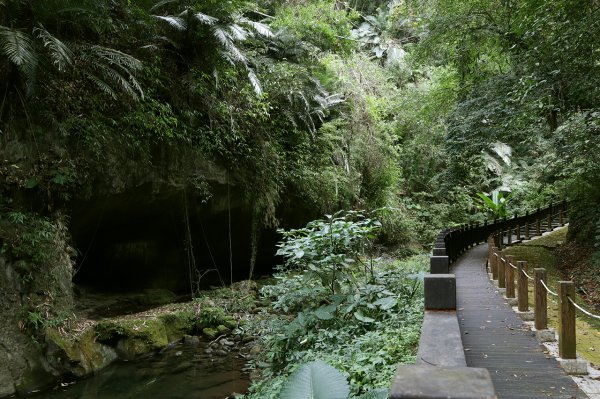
(18, 47)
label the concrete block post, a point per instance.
(439, 252)
(566, 320)
(427, 382)
(440, 292)
(439, 264)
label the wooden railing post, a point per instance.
(518, 232)
(549, 228)
(538, 223)
(541, 299)
(501, 270)
(566, 320)
(522, 287)
(510, 277)
(494, 263)
(561, 218)
(527, 225)
(509, 236)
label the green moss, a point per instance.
(222, 329)
(210, 333)
(178, 324)
(82, 353)
(150, 333)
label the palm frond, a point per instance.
(160, 4)
(117, 57)
(238, 32)
(205, 19)
(60, 54)
(112, 66)
(231, 53)
(18, 47)
(105, 87)
(176, 22)
(260, 28)
(255, 82)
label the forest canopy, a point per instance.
(415, 105)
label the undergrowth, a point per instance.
(365, 330)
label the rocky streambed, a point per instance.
(197, 348)
(191, 368)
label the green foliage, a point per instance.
(346, 331)
(319, 380)
(496, 204)
(327, 248)
(316, 380)
(318, 23)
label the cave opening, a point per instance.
(139, 241)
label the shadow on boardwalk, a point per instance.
(494, 337)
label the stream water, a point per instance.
(181, 371)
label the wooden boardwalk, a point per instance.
(495, 338)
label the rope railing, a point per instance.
(527, 275)
(582, 310)
(451, 243)
(548, 290)
(503, 266)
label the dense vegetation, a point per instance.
(414, 106)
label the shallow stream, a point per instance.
(181, 371)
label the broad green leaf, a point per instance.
(361, 317)
(31, 183)
(386, 303)
(326, 312)
(316, 380)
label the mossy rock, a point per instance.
(133, 337)
(81, 355)
(178, 324)
(210, 333)
(222, 329)
(230, 323)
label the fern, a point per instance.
(176, 22)
(60, 54)
(18, 47)
(103, 63)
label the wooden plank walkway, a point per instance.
(494, 337)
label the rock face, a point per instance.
(24, 367)
(147, 232)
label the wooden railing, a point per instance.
(456, 241)
(445, 350)
(504, 268)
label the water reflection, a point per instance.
(179, 372)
